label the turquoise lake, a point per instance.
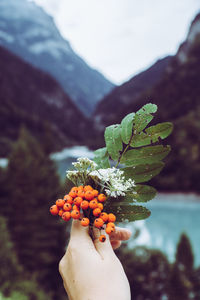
(171, 215)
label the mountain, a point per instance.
(184, 48)
(126, 93)
(177, 95)
(26, 30)
(31, 98)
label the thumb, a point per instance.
(80, 233)
(105, 248)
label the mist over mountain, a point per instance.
(33, 99)
(26, 30)
(177, 94)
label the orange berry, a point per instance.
(75, 214)
(104, 216)
(111, 224)
(95, 193)
(98, 222)
(54, 210)
(102, 238)
(75, 207)
(111, 218)
(96, 212)
(84, 204)
(81, 194)
(80, 188)
(93, 204)
(109, 230)
(60, 212)
(60, 202)
(73, 194)
(101, 198)
(89, 195)
(78, 201)
(87, 188)
(68, 198)
(74, 189)
(67, 207)
(85, 222)
(100, 205)
(66, 216)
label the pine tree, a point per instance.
(184, 254)
(34, 185)
(181, 283)
(9, 265)
(179, 286)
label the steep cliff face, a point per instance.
(32, 98)
(194, 30)
(26, 30)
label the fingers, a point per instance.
(105, 248)
(80, 236)
(115, 244)
(120, 234)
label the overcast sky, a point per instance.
(122, 37)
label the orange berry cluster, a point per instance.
(89, 201)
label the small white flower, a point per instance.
(114, 181)
(84, 163)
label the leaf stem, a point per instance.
(118, 162)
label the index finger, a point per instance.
(120, 234)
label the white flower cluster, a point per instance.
(83, 163)
(115, 182)
(73, 175)
(83, 167)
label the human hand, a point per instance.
(90, 269)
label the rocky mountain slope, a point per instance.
(32, 98)
(26, 30)
(128, 92)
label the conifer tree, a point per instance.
(184, 255)
(9, 265)
(39, 240)
(181, 280)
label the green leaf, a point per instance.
(102, 162)
(140, 122)
(101, 152)
(140, 139)
(105, 163)
(129, 212)
(144, 155)
(152, 134)
(127, 127)
(143, 173)
(101, 158)
(143, 117)
(144, 193)
(160, 130)
(130, 198)
(148, 108)
(113, 140)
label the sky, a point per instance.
(120, 38)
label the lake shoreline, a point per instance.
(192, 197)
